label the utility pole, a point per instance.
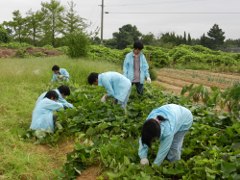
(102, 13)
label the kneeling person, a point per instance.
(42, 117)
(62, 92)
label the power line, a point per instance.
(200, 13)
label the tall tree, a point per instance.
(216, 35)
(17, 26)
(72, 21)
(33, 22)
(148, 39)
(52, 24)
(4, 36)
(127, 35)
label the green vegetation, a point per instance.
(183, 56)
(78, 45)
(21, 82)
(106, 137)
(102, 133)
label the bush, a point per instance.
(21, 53)
(15, 45)
(4, 37)
(78, 44)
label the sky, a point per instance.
(156, 16)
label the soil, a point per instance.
(174, 80)
(90, 174)
(34, 51)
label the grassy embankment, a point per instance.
(21, 82)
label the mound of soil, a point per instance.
(5, 53)
(32, 51)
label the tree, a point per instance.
(217, 36)
(189, 39)
(72, 21)
(53, 24)
(78, 44)
(17, 26)
(127, 35)
(206, 41)
(4, 36)
(33, 23)
(148, 39)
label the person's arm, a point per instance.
(52, 105)
(65, 73)
(54, 78)
(142, 150)
(125, 66)
(145, 67)
(163, 150)
(65, 103)
(106, 84)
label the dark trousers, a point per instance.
(139, 87)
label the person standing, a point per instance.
(168, 124)
(135, 67)
(59, 74)
(116, 85)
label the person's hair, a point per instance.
(138, 45)
(151, 129)
(55, 68)
(161, 118)
(65, 90)
(51, 94)
(92, 77)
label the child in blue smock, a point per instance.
(42, 116)
(62, 91)
(116, 85)
(59, 74)
(169, 124)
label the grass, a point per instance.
(21, 82)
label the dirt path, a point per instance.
(90, 174)
(174, 80)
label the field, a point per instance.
(174, 80)
(97, 139)
(21, 82)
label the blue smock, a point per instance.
(62, 72)
(60, 99)
(128, 67)
(115, 84)
(178, 118)
(42, 116)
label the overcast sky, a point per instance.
(157, 16)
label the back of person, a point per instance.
(119, 84)
(178, 117)
(42, 117)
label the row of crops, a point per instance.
(107, 137)
(161, 57)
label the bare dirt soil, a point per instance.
(174, 80)
(90, 174)
(34, 51)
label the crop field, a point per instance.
(174, 80)
(98, 140)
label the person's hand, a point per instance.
(60, 76)
(149, 80)
(104, 98)
(144, 161)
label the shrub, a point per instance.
(78, 44)
(15, 45)
(21, 53)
